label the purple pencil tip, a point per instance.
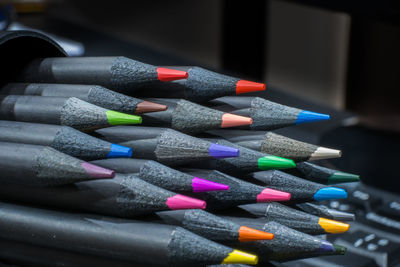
(326, 246)
(97, 172)
(202, 185)
(219, 151)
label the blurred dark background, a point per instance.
(339, 57)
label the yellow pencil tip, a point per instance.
(237, 256)
(333, 227)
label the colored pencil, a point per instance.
(116, 73)
(322, 211)
(283, 146)
(287, 244)
(319, 174)
(62, 138)
(61, 111)
(124, 196)
(161, 175)
(301, 190)
(248, 161)
(129, 240)
(266, 115)
(25, 254)
(298, 220)
(239, 192)
(94, 94)
(165, 145)
(212, 227)
(202, 85)
(44, 166)
(188, 117)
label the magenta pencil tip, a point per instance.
(269, 194)
(202, 185)
(97, 172)
(181, 202)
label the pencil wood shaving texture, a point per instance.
(93, 94)
(125, 73)
(72, 142)
(298, 220)
(203, 223)
(44, 166)
(279, 145)
(152, 170)
(175, 149)
(199, 85)
(187, 115)
(266, 114)
(62, 138)
(287, 244)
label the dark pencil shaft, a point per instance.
(43, 89)
(25, 254)
(32, 108)
(120, 239)
(85, 70)
(122, 165)
(29, 133)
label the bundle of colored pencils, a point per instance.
(95, 189)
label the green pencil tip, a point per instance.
(118, 118)
(343, 177)
(274, 162)
(339, 250)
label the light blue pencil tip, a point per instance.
(330, 193)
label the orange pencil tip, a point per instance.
(247, 234)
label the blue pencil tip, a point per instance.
(117, 151)
(309, 116)
(330, 193)
(326, 246)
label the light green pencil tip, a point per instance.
(118, 118)
(274, 162)
(343, 177)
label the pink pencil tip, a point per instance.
(181, 202)
(96, 171)
(269, 194)
(202, 185)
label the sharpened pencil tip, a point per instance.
(96, 171)
(219, 151)
(309, 116)
(119, 118)
(343, 177)
(181, 202)
(333, 227)
(329, 193)
(237, 256)
(118, 151)
(269, 194)
(167, 75)
(326, 246)
(243, 86)
(325, 153)
(231, 120)
(274, 162)
(247, 234)
(147, 106)
(202, 185)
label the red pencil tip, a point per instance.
(243, 86)
(167, 75)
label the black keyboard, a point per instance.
(373, 239)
